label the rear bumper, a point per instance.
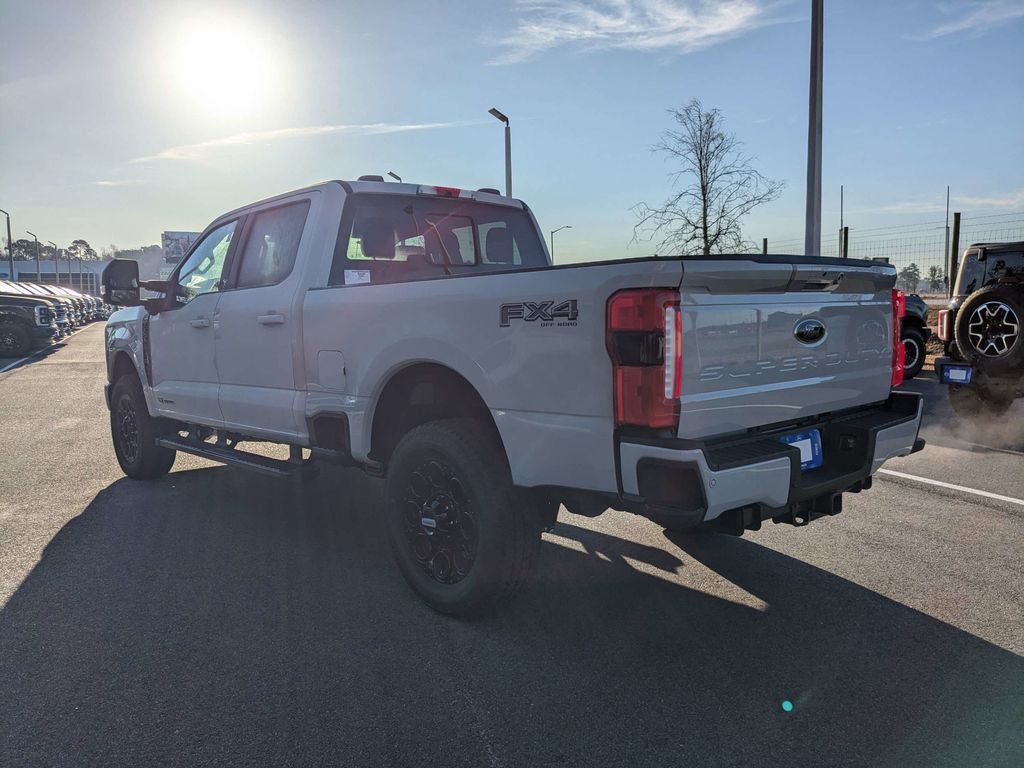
(1010, 384)
(699, 482)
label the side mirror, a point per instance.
(121, 283)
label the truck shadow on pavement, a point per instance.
(217, 618)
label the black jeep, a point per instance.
(981, 331)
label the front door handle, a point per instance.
(275, 319)
(200, 322)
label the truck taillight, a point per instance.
(645, 344)
(942, 328)
(899, 309)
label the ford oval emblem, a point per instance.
(809, 331)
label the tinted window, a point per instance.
(202, 270)
(1004, 264)
(271, 245)
(390, 238)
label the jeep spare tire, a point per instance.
(989, 326)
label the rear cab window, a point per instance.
(396, 238)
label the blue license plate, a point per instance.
(809, 444)
(957, 374)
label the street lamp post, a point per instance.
(56, 264)
(508, 149)
(39, 277)
(552, 235)
(10, 242)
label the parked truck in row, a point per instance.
(423, 334)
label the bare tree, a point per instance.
(714, 188)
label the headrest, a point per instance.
(498, 245)
(378, 238)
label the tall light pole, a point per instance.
(812, 228)
(567, 226)
(10, 242)
(56, 264)
(39, 277)
(508, 149)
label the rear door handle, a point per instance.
(200, 322)
(275, 319)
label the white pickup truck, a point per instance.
(422, 333)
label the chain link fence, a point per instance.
(918, 251)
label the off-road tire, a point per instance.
(915, 350)
(459, 454)
(134, 432)
(1001, 351)
(15, 341)
(972, 402)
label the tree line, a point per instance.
(79, 250)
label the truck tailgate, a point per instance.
(768, 341)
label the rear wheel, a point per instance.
(977, 402)
(14, 340)
(914, 352)
(463, 536)
(134, 432)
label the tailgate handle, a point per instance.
(826, 282)
(275, 319)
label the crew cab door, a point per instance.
(258, 346)
(181, 339)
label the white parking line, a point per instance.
(40, 351)
(950, 486)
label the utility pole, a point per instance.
(39, 277)
(56, 264)
(954, 255)
(946, 248)
(764, 245)
(812, 228)
(10, 242)
(841, 253)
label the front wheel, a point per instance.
(134, 433)
(14, 340)
(463, 536)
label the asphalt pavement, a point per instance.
(215, 617)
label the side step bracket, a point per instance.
(235, 458)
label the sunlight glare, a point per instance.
(223, 67)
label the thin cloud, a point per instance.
(679, 26)
(1011, 201)
(981, 16)
(251, 138)
(116, 183)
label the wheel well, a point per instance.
(420, 393)
(123, 366)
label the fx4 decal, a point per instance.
(547, 312)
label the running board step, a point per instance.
(234, 457)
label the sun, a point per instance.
(222, 67)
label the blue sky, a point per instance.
(120, 120)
